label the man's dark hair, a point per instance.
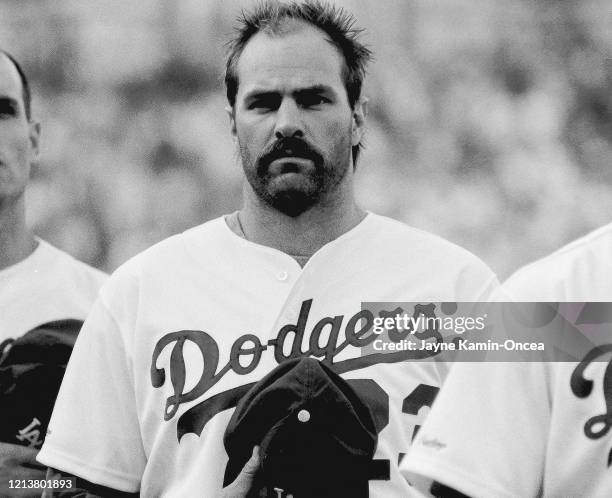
(25, 86)
(339, 25)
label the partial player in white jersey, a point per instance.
(45, 295)
(184, 330)
(529, 429)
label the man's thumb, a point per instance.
(251, 467)
(244, 482)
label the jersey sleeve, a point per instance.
(94, 431)
(478, 283)
(486, 433)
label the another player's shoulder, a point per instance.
(576, 272)
(414, 242)
(68, 267)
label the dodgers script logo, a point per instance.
(598, 425)
(595, 313)
(357, 334)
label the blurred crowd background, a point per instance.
(490, 121)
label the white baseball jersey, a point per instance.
(529, 429)
(47, 286)
(183, 330)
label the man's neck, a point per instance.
(16, 241)
(302, 235)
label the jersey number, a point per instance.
(378, 401)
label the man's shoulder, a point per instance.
(579, 271)
(414, 242)
(68, 266)
(177, 248)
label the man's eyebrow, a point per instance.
(260, 93)
(316, 89)
(264, 93)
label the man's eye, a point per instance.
(7, 110)
(264, 104)
(313, 100)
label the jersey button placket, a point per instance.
(285, 281)
(283, 277)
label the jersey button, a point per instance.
(282, 276)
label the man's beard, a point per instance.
(322, 178)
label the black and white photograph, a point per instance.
(222, 224)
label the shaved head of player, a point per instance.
(298, 118)
(45, 295)
(19, 136)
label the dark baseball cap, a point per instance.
(317, 437)
(31, 371)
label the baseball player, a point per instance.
(529, 429)
(185, 329)
(45, 294)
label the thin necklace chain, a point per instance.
(243, 234)
(240, 227)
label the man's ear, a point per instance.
(34, 138)
(360, 113)
(230, 113)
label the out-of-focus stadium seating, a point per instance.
(490, 122)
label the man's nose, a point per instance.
(288, 120)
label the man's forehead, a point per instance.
(301, 53)
(10, 81)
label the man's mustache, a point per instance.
(288, 147)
